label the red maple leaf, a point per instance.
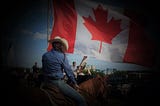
(101, 29)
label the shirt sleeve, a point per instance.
(68, 70)
(44, 63)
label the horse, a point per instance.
(94, 90)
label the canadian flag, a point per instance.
(95, 30)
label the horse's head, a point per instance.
(95, 88)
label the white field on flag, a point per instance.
(85, 45)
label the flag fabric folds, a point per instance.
(97, 30)
(65, 22)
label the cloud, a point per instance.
(35, 35)
(26, 32)
(39, 35)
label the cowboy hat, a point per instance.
(61, 40)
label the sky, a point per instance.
(26, 25)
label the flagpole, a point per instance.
(48, 20)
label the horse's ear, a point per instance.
(98, 77)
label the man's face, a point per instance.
(74, 63)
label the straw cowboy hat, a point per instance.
(61, 40)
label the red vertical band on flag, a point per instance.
(140, 48)
(65, 22)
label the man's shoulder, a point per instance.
(46, 54)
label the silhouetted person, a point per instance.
(35, 74)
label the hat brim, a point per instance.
(60, 41)
(55, 40)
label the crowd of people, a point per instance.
(79, 73)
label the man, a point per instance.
(74, 68)
(35, 74)
(35, 68)
(54, 64)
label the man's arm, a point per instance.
(68, 71)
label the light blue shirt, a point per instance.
(53, 64)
